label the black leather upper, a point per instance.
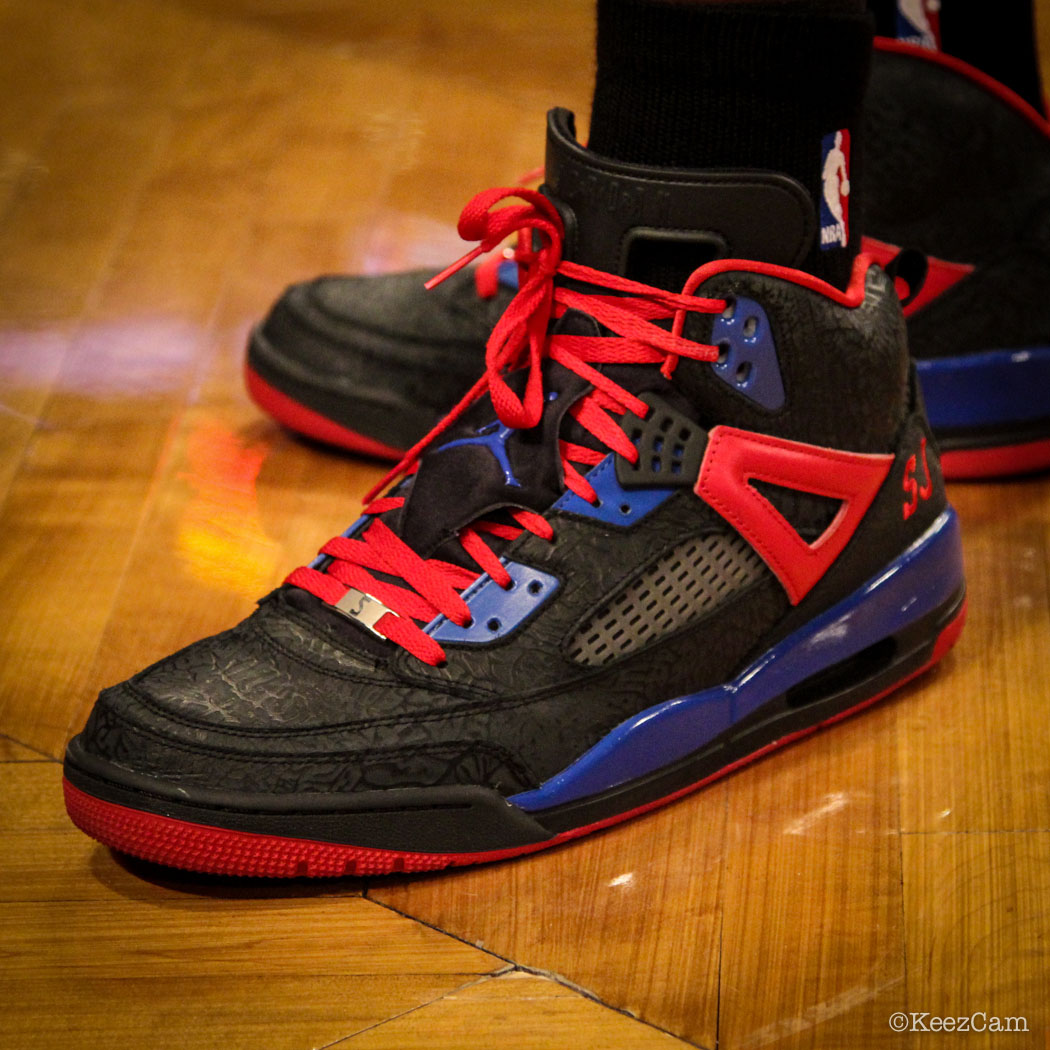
(380, 355)
(292, 701)
(300, 700)
(627, 219)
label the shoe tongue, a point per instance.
(479, 465)
(657, 225)
(654, 225)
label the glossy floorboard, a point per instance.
(165, 168)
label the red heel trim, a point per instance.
(295, 416)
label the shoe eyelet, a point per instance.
(535, 587)
(494, 625)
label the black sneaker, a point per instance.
(958, 173)
(624, 569)
(959, 179)
(371, 364)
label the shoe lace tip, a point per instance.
(458, 265)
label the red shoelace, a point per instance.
(487, 274)
(423, 588)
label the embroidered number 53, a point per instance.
(912, 490)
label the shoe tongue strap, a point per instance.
(643, 223)
(478, 465)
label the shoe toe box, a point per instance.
(334, 319)
(272, 707)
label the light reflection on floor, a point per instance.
(220, 535)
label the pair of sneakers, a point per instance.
(665, 532)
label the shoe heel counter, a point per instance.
(913, 495)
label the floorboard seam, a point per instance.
(419, 1006)
(437, 929)
(718, 986)
(981, 831)
(29, 747)
(595, 998)
(549, 974)
(900, 861)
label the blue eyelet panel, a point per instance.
(750, 365)
(496, 611)
(616, 505)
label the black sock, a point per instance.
(999, 41)
(737, 86)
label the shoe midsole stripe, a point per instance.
(996, 386)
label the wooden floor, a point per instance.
(165, 169)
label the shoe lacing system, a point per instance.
(414, 590)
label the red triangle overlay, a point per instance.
(734, 458)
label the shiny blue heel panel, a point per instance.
(997, 386)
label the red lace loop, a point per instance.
(487, 274)
(423, 588)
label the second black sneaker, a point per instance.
(958, 184)
(370, 364)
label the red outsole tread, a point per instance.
(1003, 461)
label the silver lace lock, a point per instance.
(363, 609)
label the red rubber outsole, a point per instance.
(213, 850)
(295, 416)
(1001, 462)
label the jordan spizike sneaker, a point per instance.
(669, 530)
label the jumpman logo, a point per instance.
(493, 437)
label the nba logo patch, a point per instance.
(919, 23)
(834, 202)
